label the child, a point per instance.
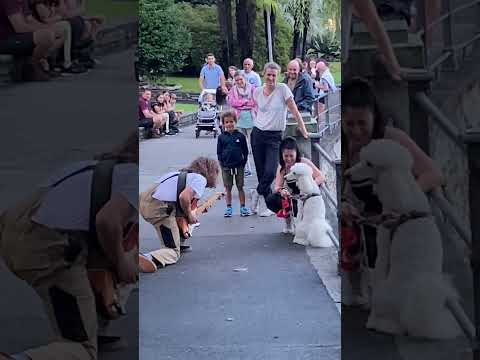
(232, 152)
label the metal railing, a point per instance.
(451, 44)
(330, 124)
(425, 109)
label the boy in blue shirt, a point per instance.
(232, 152)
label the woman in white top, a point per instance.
(273, 99)
(158, 206)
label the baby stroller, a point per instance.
(207, 114)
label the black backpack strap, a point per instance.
(181, 184)
(101, 191)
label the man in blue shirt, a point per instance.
(212, 76)
(251, 76)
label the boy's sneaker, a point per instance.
(228, 212)
(248, 173)
(244, 211)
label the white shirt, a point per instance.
(167, 191)
(272, 110)
(67, 205)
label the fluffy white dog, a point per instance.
(311, 227)
(410, 291)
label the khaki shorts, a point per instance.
(229, 174)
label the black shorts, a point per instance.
(18, 45)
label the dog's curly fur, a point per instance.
(311, 228)
(410, 290)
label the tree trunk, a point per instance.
(222, 20)
(304, 40)
(296, 39)
(229, 33)
(245, 18)
(272, 23)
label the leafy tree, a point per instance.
(164, 41)
(245, 14)
(202, 23)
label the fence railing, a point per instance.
(330, 122)
(448, 59)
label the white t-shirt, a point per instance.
(272, 110)
(67, 205)
(167, 191)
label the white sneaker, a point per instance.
(254, 199)
(263, 211)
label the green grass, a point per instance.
(336, 70)
(189, 84)
(187, 108)
(113, 9)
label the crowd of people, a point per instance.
(48, 37)
(253, 124)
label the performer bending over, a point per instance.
(170, 198)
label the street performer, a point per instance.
(169, 199)
(49, 240)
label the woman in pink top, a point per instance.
(240, 98)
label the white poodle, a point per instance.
(410, 290)
(311, 227)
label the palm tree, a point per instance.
(270, 9)
(307, 8)
(296, 9)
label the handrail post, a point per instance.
(327, 113)
(472, 139)
(421, 20)
(419, 119)
(315, 155)
(451, 64)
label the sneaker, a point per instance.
(248, 173)
(244, 211)
(263, 211)
(254, 199)
(74, 69)
(228, 212)
(171, 133)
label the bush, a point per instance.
(163, 40)
(326, 47)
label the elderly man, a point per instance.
(301, 86)
(251, 76)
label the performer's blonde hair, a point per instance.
(206, 167)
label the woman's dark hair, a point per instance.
(358, 93)
(289, 143)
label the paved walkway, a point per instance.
(244, 292)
